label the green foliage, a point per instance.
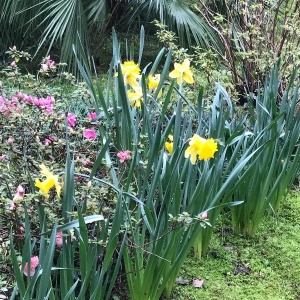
(85, 24)
(176, 188)
(129, 198)
(276, 170)
(206, 64)
(255, 35)
(166, 210)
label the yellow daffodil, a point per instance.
(50, 181)
(198, 146)
(135, 97)
(153, 82)
(169, 145)
(182, 72)
(131, 73)
(208, 149)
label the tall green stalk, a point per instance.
(276, 169)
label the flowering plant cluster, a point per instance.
(122, 179)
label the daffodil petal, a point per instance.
(185, 65)
(45, 171)
(169, 147)
(188, 77)
(50, 181)
(175, 74)
(191, 153)
(132, 81)
(58, 188)
(208, 149)
(179, 67)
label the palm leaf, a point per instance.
(179, 17)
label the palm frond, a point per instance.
(177, 14)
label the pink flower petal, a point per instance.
(71, 119)
(59, 239)
(198, 283)
(124, 155)
(90, 134)
(34, 261)
(92, 115)
(19, 194)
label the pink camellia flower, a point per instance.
(13, 64)
(124, 155)
(19, 194)
(10, 140)
(14, 48)
(34, 261)
(90, 134)
(71, 119)
(92, 116)
(59, 239)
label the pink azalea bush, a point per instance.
(33, 131)
(8, 106)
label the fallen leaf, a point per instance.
(180, 280)
(198, 283)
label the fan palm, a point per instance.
(64, 23)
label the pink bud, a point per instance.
(14, 48)
(92, 116)
(34, 261)
(44, 67)
(10, 140)
(204, 215)
(13, 64)
(19, 194)
(48, 140)
(59, 239)
(3, 157)
(12, 206)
